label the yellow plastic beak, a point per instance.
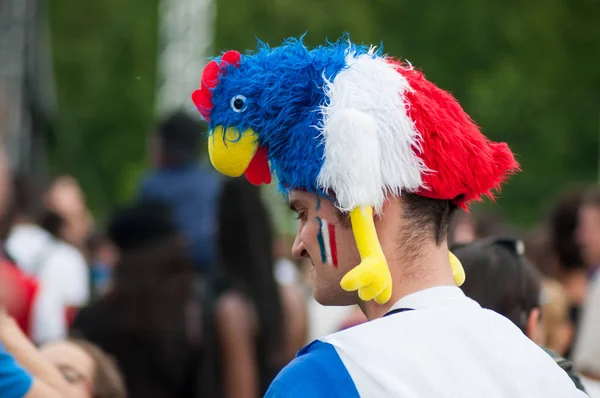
(231, 151)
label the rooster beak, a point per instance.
(231, 151)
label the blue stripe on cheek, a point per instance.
(321, 241)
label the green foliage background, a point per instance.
(527, 72)
(105, 67)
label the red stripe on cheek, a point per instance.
(332, 244)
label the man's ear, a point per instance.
(534, 329)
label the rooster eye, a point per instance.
(238, 103)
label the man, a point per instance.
(190, 188)
(375, 160)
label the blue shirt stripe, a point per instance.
(317, 371)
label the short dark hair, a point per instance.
(180, 137)
(499, 278)
(429, 217)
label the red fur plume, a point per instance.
(465, 164)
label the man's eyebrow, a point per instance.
(294, 204)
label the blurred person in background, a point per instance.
(586, 352)
(555, 314)
(555, 306)
(586, 355)
(462, 229)
(149, 320)
(35, 243)
(293, 291)
(564, 263)
(478, 224)
(260, 326)
(588, 229)
(102, 256)
(23, 371)
(189, 186)
(88, 370)
(500, 279)
(19, 290)
(65, 197)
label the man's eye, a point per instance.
(300, 215)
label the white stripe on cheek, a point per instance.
(326, 241)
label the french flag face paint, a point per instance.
(327, 244)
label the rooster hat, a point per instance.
(346, 119)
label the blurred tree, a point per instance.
(525, 71)
(105, 62)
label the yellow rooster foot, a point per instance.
(457, 270)
(371, 278)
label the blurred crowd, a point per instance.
(188, 291)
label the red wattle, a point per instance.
(258, 171)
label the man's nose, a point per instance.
(298, 249)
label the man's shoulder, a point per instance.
(317, 371)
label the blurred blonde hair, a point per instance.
(555, 315)
(108, 382)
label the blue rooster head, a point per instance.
(265, 106)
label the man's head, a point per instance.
(367, 127)
(500, 279)
(408, 226)
(588, 229)
(176, 141)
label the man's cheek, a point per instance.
(327, 242)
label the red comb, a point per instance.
(210, 77)
(231, 57)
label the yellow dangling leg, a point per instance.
(457, 270)
(372, 276)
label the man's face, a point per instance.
(325, 237)
(588, 234)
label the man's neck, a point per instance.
(430, 268)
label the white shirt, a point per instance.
(63, 275)
(447, 347)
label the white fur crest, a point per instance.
(370, 142)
